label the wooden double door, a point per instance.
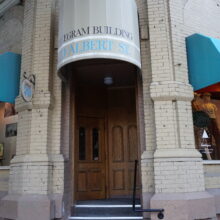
(106, 148)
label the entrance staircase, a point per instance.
(105, 209)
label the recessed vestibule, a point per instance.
(104, 128)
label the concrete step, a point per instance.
(105, 209)
(106, 218)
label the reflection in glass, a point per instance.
(206, 122)
(95, 143)
(82, 143)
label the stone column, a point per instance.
(146, 117)
(178, 167)
(36, 175)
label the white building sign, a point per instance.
(91, 29)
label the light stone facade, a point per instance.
(12, 20)
(41, 174)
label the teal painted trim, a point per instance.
(203, 55)
(10, 65)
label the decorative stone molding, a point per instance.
(171, 91)
(177, 153)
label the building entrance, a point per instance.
(106, 147)
(106, 143)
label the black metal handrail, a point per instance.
(160, 211)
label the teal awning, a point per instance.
(10, 64)
(203, 54)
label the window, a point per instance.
(82, 143)
(206, 119)
(95, 143)
(11, 130)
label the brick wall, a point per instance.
(38, 167)
(202, 17)
(4, 176)
(212, 175)
(11, 24)
(146, 117)
(172, 97)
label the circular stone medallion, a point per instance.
(27, 89)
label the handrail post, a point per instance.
(134, 186)
(159, 211)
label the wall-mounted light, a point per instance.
(108, 80)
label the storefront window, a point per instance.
(206, 118)
(8, 132)
(11, 130)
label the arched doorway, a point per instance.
(105, 129)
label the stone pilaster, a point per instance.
(146, 111)
(36, 175)
(178, 168)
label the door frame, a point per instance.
(73, 128)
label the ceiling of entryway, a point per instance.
(93, 72)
